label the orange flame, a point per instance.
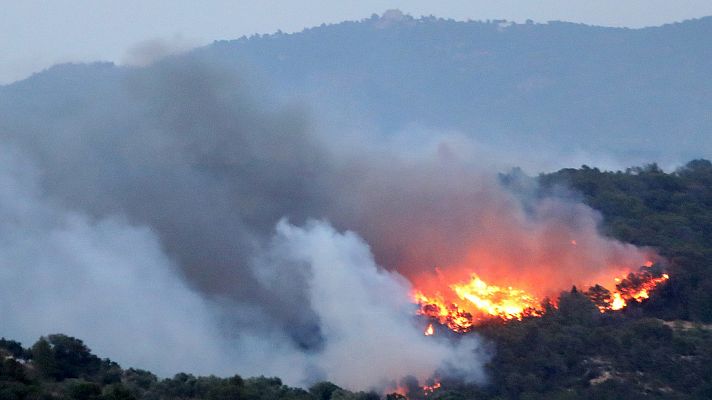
(616, 303)
(429, 389)
(449, 315)
(634, 287)
(480, 301)
(429, 331)
(506, 303)
(473, 302)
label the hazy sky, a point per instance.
(35, 34)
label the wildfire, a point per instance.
(406, 392)
(616, 303)
(479, 302)
(475, 301)
(429, 331)
(506, 303)
(449, 315)
(635, 287)
(429, 389)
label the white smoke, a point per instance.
(102, 280)
(111, 284)
(364, 312)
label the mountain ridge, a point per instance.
(639, 95)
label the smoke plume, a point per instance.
(177, 218)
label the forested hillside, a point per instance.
(671, 212)
(629, 94)
(660, 348)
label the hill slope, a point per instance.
(634, 93)
(635, 96)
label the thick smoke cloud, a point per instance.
(184, 150)
(447, 208)
(364, 312)
(158, 192)
(109, 282)
(103, 279)
(443, 215)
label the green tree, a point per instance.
(323, 390)
(82, 390)
(72, 357)
(43, 359)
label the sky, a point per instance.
(35, 34)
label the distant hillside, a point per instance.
(635, 95)
(642, 93)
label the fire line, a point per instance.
(468, 304)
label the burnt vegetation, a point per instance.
(660, 348)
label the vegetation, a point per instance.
(671, 212)
(59, 367)
(564, 83)
(658, 349)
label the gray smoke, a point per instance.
(150, 214)
(183, 151)
(149, 51)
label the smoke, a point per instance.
(109, 282)
(364, 312)
(104, 280)
(149, 51)
(468, 223)
(446, 207)
(146, 213)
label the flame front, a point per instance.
(404, 392)
(635, 287)
(506, 303)
(429, 389)
(478, 302)
(470, 303)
